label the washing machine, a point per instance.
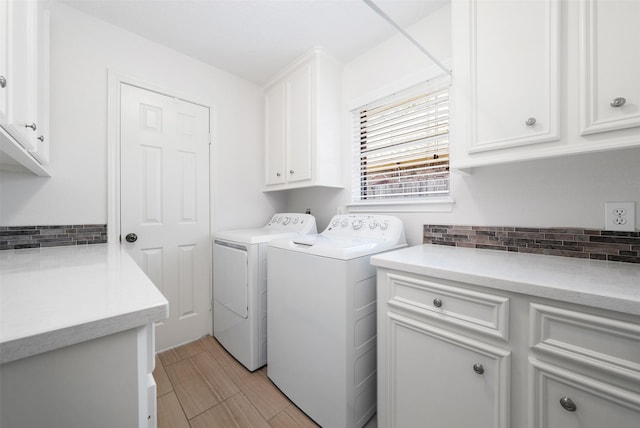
(322, 317)
(240, 284)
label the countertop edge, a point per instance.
(584, 297)
(28, 346)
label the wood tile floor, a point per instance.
(200, 385)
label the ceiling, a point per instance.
(254, 39)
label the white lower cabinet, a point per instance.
(585, 368)
(443, 360)
(101, 383)
(456, 355)
(566, 399)
(426, 360)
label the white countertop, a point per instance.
(59, 296)
(606, 285)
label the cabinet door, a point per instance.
(610, 65)
(4, 51)
(275, 135)
(564, 399)
(514, 70)
(22, 78)
(300, 125)
(41, 150)
(441, 379)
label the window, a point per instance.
(402, 146)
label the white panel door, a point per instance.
(165, 202)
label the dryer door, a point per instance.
(230, 276)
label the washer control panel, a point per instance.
(291, 222)
(365, 226)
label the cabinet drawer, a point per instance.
(477, 311)
(597, 404)
(605, 343)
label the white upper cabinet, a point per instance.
(4, 53)
(609, 65)
(299, 90)
(537, 79)
(511, 68)
(22, 76)
(275, 134)
(302, 106)
(24, 67)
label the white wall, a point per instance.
(82, 50)
(567, 191)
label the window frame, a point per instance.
(435, 202)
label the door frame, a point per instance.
(115, 80)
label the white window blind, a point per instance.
(402, 146)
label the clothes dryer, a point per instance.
(322, 317)
(240, 284)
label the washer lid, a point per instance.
(350, 236)
(282, 225)
(253, 236)
(342, 248)
(343, 242)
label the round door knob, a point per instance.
(618, 102)
(478, 368)
(437, 303)
(32, 126)
(277, 174)
(568, 404)
(41, 138)
(291, 171)
(3, 82)
(531, 121)
(131, 237)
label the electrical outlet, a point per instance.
(620, 216)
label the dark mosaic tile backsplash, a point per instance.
(556, 241)
(17, 237)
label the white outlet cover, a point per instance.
(625, 222)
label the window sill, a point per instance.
(431, 205)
